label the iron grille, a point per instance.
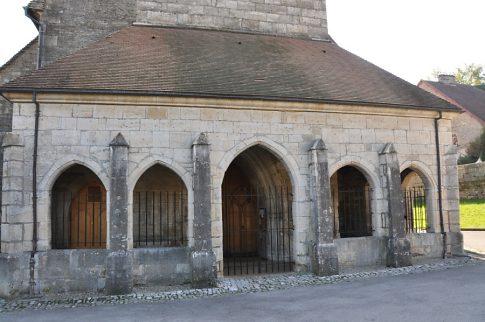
(159, 219)
(77, 221)
(258, 232)
(415, 210)
(353, 218)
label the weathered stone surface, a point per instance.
(203, 257)
(399, 253)
(119, 274)
(325, 259)
(296, 18)
(472, 180)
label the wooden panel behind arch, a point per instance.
(87, 215)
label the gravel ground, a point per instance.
(239, 285)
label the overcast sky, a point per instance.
(409, 38)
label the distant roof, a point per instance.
(470, 98)
(12, 60)
(189, 62)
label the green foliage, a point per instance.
(472, 74)
(472, 213)
(475, 150)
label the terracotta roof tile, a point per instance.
(170, 61)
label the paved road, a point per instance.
(456, 294)
(474, 241)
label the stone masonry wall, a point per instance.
(467, 128)
(71, 24)
(74, 132)
(472, 180)
(301, 18)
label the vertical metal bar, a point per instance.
(234, 239)
(153, 218)
(54, 219)
(283, 215)
(290, 226)
(101, 221)
(167, 241)
(271, 228)
(174, 223)
(277, 223)
(146, 218)
(63, 215)
(85, 218)
(182, 213)
(139, 219)
(160, 218)
(92, 220)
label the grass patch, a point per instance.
(472, 213)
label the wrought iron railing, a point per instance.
(353, 217)
(159, 219)
(415, 209)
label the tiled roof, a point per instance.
(470, 98)
(171, 61)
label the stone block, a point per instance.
(157, 113)
(82, 111)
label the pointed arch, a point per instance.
(61, 165)
(366, 167)
(276, 149)
(185, 176)
(430, 190)
(369, 172)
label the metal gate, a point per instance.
(415, 210)
(258, 232)
(159, 219)
(353, 216)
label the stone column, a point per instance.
(325, 259)
(203, 257)
(14, 200)
(399, 248)
(451, 201)
(119, 279)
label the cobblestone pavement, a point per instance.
(239, 285)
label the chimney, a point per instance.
(446, 79)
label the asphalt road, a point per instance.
(455, 294)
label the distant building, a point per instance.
(168, 142)
(470, 99)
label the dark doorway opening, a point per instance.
(351, 200)
(257, 215)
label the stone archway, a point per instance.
(257, 214)
(78, 210)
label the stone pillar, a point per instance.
(451, 203)
(399, 248)
(325, 259)
(119, 279)
(203, 257)
(14, 198)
